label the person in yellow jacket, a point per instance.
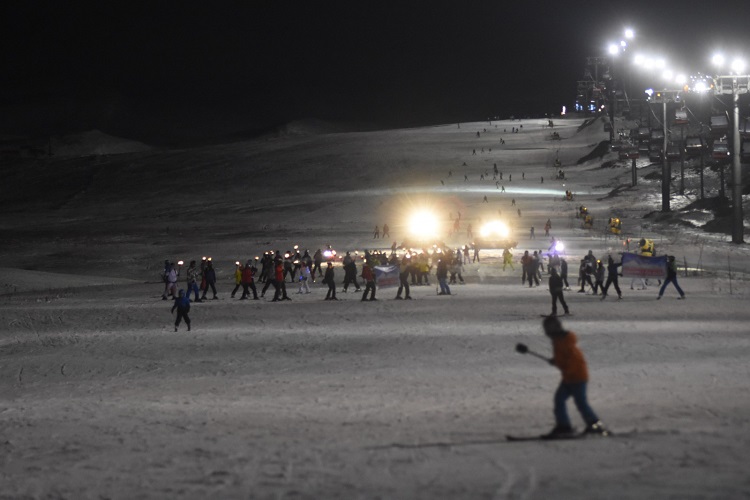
(569, 359)
(508, 259)
(237, 277)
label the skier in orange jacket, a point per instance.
(569, 359)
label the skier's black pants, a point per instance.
(280, 290)
(269, 282)
(532, 275)
(350, 278)
(612, 280)
(369, 287)
(586, 279)
(558, 296)
(235, 289)
(331, 290)
(180, 315)
(403, 284)
(246, 287)
(565, 279)
(317, 268)
(209, 284)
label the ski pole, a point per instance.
(523, 349)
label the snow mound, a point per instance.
(310, 127)
(95, 142)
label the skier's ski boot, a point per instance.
(597, 429)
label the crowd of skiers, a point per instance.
(593, 274)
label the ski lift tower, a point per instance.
(664, 97)
(735, 85)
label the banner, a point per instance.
(386, 276)
(638, 266)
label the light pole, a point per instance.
(666, 171)
(734, 85)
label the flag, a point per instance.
(386, 276)
(638, 266)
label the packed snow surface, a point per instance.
(99, 398)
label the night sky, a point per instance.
(151, 69)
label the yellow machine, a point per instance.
(588, 222)
(646, 247)
(615, 225)
(582, 212)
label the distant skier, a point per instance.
(304, 279)
(556, 290)
(569, 359)
(368, 275)
(485, 199)
(237, 278)
(279, 282)
(386, 231)
(350, 273)
(170, 281)
(182, 305)
(248, 281)
(403, 278)
(210, 276)
(329, 280)
(531, 233)
(376, 233)
(599, 278)
(564, 273)
(192, 281)
(317, 261)
(513, 202)
(612, 278)
(508, 259)
(671, 278)
(442, 276)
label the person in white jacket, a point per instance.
(304, 278)
(170, 282)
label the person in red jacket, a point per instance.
(279, 283)
(368, 274)
(248, 281)
(569, 359)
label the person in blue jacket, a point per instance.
(182, 304)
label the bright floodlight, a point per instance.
(667, 75)
(623, 43)
(613, 49)
(650, 92)
(718, 60)
(629, 34)
(738, 66)
(700, 86)
(639, 60)
(423, 224)
(559, 246)
(494, 229)
(660, 63)
(680, 79)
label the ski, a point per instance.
(546, 437)
(561, 437)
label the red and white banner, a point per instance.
(638, 266)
